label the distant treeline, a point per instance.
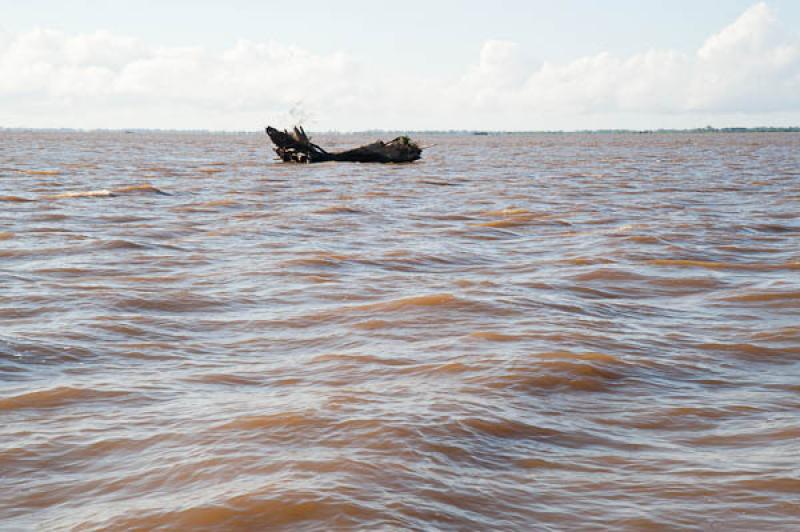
(395, 132)
(707, 129)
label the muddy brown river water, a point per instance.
(529, 332)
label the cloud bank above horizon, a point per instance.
(747, 73)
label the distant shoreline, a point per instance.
(454, 132)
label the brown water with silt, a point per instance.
(542, 332)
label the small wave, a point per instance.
(753, 351)
(359, 360)
(773, 299)
(293, 420)
(404, 260)
(438, 182)
(609, 274)
(339, 210)
(772, 483)
(680, 419)
(587, 372)
(323, 259)
(292, 511)
(120, 244)
(587, 261)
(627, 228)
(510, 211)
(760, 436)
(443, 301)
(55, 397)
(122, 328)
(686, 282)
(517, 221)
(226, 379)
(175, 302)
(158, 169)
(430, 300)
(83, 194)
(502, 428)
(370, 325)
(505, 428)
(491, 336)
(16, 199)
(643, 239)
(320, 279)
(710, 412)
(515, 217)
(139, 189)
(540, 463)
(110, 193)
(38, 352)
(219, 203)
(748, 249)
(42, 172)
(775, 228)
(207, 206)
(437, 368)
(450, 216)
(51, 217)
(711, 265)
(783, 334)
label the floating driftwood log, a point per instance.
(296, 147)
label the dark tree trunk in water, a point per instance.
(297, 147)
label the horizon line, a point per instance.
(477, 132)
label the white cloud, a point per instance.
(751, 65)
(746, 71)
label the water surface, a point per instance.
(564, 332)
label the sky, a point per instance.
(411, 65)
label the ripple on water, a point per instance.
(771, 298)
(57, 397)
(711, 265)
(294, 509)
(16, 199)
(553, 371)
